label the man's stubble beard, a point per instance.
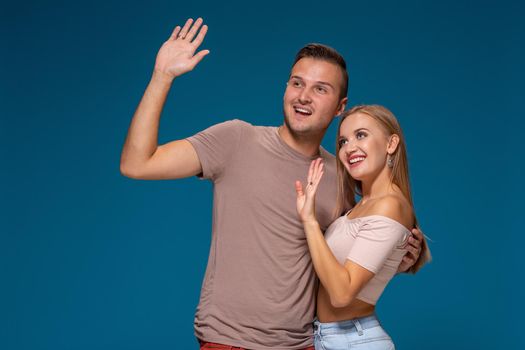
(304, 135)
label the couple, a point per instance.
(260, 289)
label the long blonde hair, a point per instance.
(347, 187)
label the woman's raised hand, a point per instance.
(306, 197)
(177, 55)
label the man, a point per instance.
(259, 288)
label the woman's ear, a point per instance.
(393, 142)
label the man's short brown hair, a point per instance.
(325, 53)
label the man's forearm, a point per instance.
(142, 138)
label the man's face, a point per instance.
(311, 99)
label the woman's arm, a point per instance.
(342, 283)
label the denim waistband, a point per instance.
(353, 325)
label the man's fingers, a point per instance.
(409, 261)
(200, 37)
(175, 32)
(193, 30)
(184, 30)
(188, 31)
(417, 234)
(414, 242)
(413, 251)
(198, 57)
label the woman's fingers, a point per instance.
(318, 166)
(315, 173)
(310, 173)
(299, 188)
(320, 170)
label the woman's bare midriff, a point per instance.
(327, 313)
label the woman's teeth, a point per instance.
(355, 160)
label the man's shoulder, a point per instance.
(255, 132)
(230, 129)
(238, 123)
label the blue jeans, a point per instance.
(363, 333)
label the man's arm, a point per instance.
(142, 157)
(415, 244)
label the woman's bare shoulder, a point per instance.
(395, 207)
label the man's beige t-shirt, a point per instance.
(259, 288)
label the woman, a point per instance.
(362, 249)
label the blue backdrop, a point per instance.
(92, 260)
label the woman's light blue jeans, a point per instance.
(363, 333)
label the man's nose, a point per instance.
(304, 97)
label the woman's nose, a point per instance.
(349, 147)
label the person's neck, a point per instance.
(379, 186)
(307, 145)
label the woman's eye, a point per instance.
(342, 142)
(360, 135)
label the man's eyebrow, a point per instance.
(325, 83)
(317, 82)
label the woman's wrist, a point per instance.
(310, 225)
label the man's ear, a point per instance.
(342, 106)
(393, 142)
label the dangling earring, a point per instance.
(390, 161)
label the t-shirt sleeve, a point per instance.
(375, 242)
(216, 145)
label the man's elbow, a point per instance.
(129, 171)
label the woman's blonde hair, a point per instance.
(348, 187)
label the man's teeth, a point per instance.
(304, 111)
(355, 160)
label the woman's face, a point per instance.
(363, 146)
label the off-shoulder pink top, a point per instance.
(374, 242)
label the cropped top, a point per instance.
(374, 242)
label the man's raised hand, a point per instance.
(177, 55)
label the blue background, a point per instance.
(92, 260)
